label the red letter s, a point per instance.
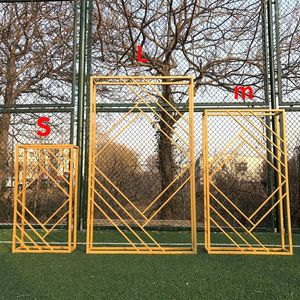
(47, 128)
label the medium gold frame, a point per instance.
(279, 164)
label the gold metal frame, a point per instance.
(143, 247)
(22, 241)
(279, 164)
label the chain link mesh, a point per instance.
(289, 50)
(142, 160)
(293, 142)
(220, 43)
(36, 54)
(23, 130)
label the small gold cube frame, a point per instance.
(45, 199)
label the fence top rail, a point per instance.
(137, 80)
(243, 112)
(141, 77)
(24, 1)
(47, 146)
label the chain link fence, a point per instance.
(221, 44)
(293, 142)
(37, 49)
(289, 39)
(22, 130)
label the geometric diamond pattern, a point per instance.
(262, 134)
(45, 173)
(107, 199)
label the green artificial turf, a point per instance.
(202, 276)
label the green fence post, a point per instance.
(80, 104)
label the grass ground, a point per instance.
(202, 276)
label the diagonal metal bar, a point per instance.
(54, 225)
(226, 234)
(61, 162)
(238, 221)
(119, 191)
(160, 118)
(115, 225)
(112, 128)
(261, 132)
(221, 153)
(54, 181)
(167, 201)
(268, 127)
(263, 157)
(170, 184)
(124, 209)
(28, 236)
(266, 201)
(157, 127)
(161, 107)
(30, 170)
(269, 210)
(19, 240)
(32, 215)
(58, 172)
(231, 202)
(56, 212)
(24, 188)
(47, 173)
(118, 134)
(256, 139)
(231, 227)
(120, 218)
(228, 158)
(168, 102)
(36, 233)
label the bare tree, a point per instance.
(218, 42)
(289, 50)
(35, 59)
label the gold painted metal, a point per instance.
(30, 234)
(242, 236)
(135, 227)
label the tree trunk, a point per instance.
(166, 163)
(9, 99)
(166, 159)
(4, 128)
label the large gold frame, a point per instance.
(279, 164)
(143, 247)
